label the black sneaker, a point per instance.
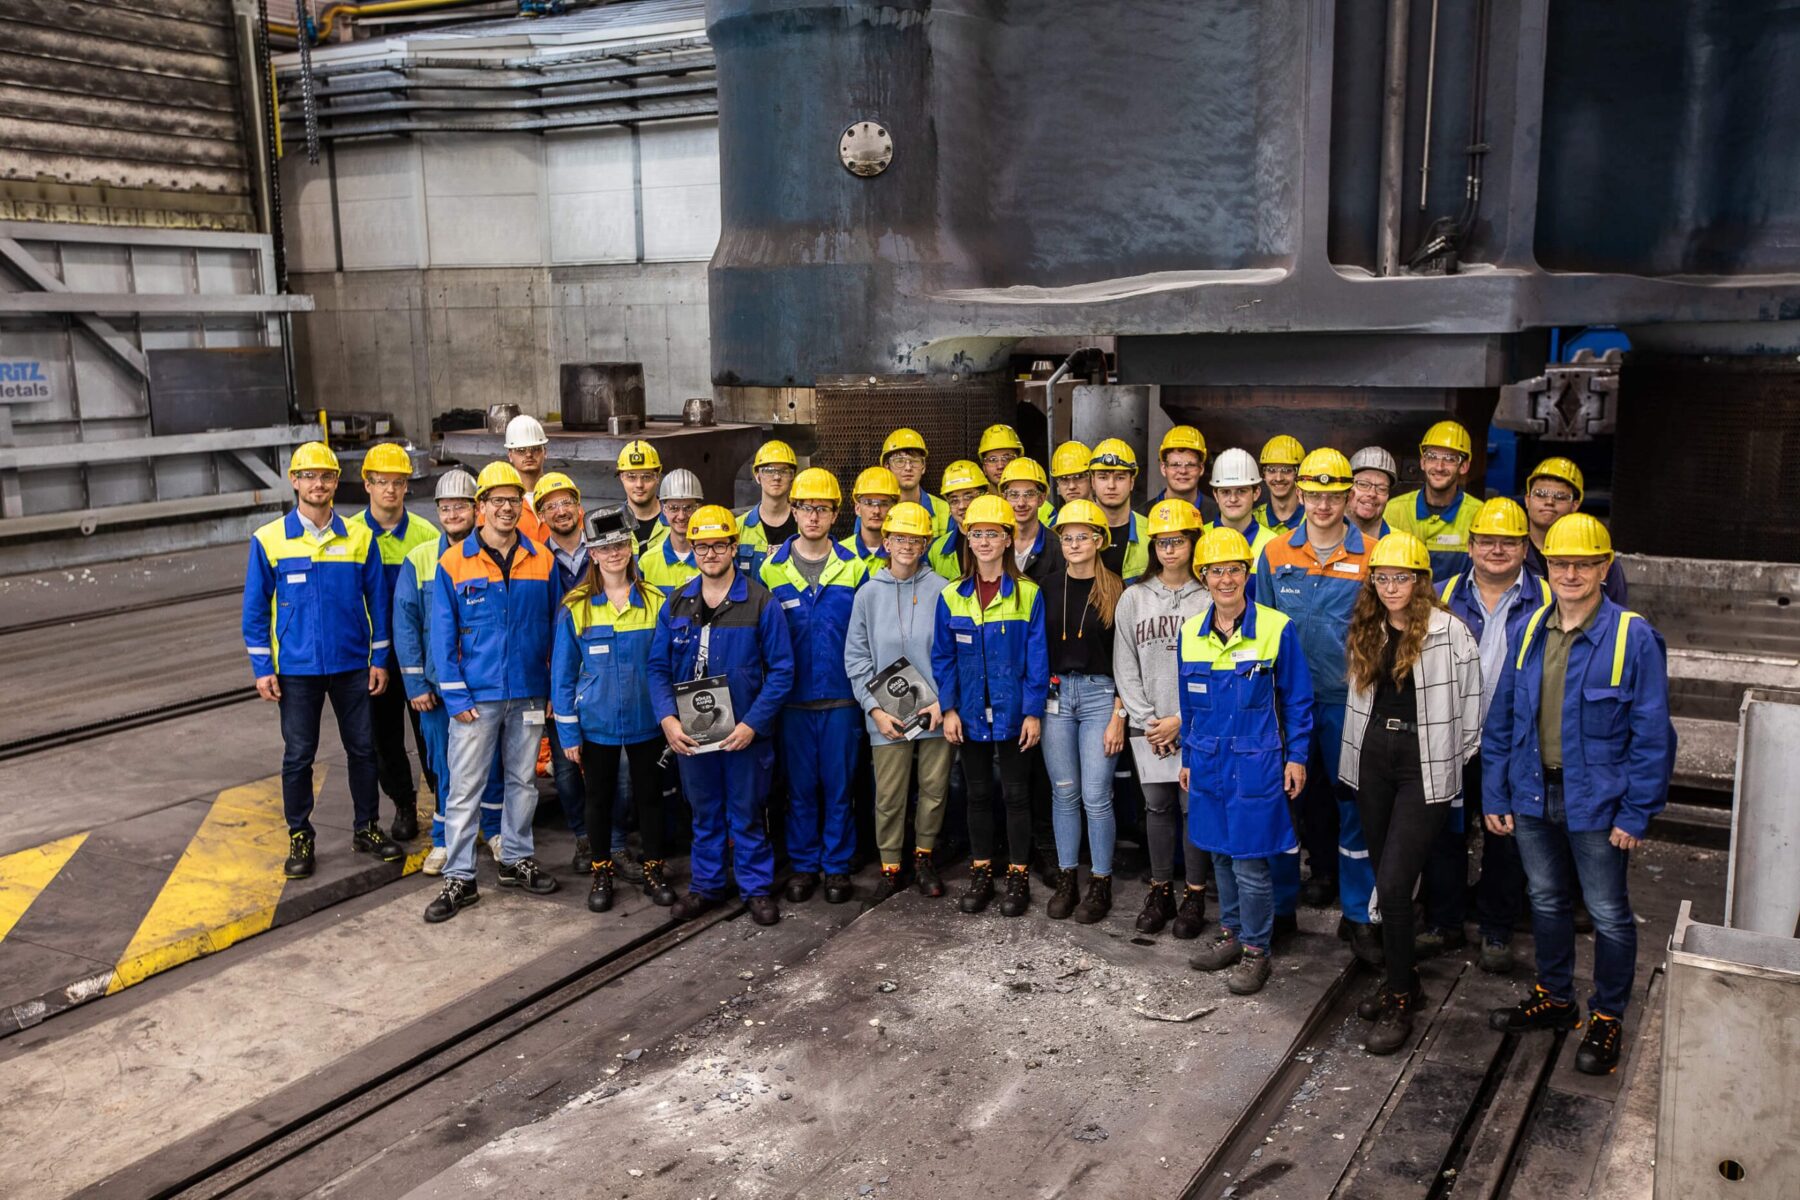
(457, 895)
(1016, 901)
(1319, 893)
(656, 884)
(600, 892)
(1598, 1053)
(527, 874)
(583, 861)
(1393, 1025)
(1066, 896)
(1190, 914)
(406, 821)
(1159, 908)
(800, 887)
(300, 855)
(1097, 903)
(1536, 1011)
(889, 885)
(370, 840)
(838, 889)
(975, 897)
(925, 876)
(1433, 941)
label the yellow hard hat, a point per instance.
(555, 481)
(388, 458)
(497, 474)
(1500, 517)
(902, 439)
(774, 451)
(1221, 544)
(712, 523)
(816, 483)
(1563, 469)
(1281, 451)
(990, 510)
(1085, 512)
(1577, 536)
(1403, 550)
(962, 475)
(999, 437)
(1447, 435)
(639, 456)
(317, 456)
(909, 519)
(1325, 470)
(876, 481)
(1173, 515)
(1182, 437)
(1113, 455)
(1071, 458)
(1027, 470)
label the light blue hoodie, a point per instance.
(890, 618)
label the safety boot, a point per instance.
(763, 909)
(1017, 899)
(1369, 1007)
(527, 874)
(583, 860)
(1098, 901)
(1393, 1025)
(600, 893)
(300, 855)
(838, 889)
(1251, 971)
(1539, 1010)
(975, 897)
(1190, 915)
(457, 895)
(1067, 894)
(925, 876)
(800, 887)
(655, 885)
(1159, 908)
(889, 885)
(1599, 1051)
(370, 840)
(1223, 951)
(692, 905)
(406, 821)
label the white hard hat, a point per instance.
(523, 432)
(455, 484)
(1236, 468)
(679, 484)
(1374, 458)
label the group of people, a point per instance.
(1285, 656)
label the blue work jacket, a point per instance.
(1461, 598)
(818, 619)
(412, 617)
(992, 665)
(490, 635)
(314, 607)
(749, 645)
(600, 667)
(393, 545)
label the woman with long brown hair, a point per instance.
(1413, 719)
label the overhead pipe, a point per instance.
(366, 78)
(516, 103)
(610, 54)
(1393, 137)
(322, 29)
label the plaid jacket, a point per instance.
(1447, 680)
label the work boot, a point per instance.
(1017, 900)
(1365, 943)
(888, 885)
(762, 909)
(800, 887)
(600, 894)
(370, 840)
(457, 895)
(1539, 1010)
(527, 874)
(1159, 908)
(1190, 914)
(1047, 865)
(1393, 1025)
(1318, 892)
(1369, 1007)
(583, 862)
(406, 821)
(1223, 951)
(1496, 958)
(1250, 973)
(1068, 892)
(838, 889)
(434, 862)
(1098, 901)
(975, 897)
(1599, 1051)
(655, 885)
(925, 876)
(692, 905)
(1433, 941)
(628, 866)
(300, 855)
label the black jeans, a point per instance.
(1015, 787)
(1400, 829)
(387, 721)
(302, 704)
(600, 769)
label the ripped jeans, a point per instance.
(1081, 772)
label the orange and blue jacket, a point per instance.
(314, 606)
(490, 634)
(1317, 597)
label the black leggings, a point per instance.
(1015, 786)
(1400, 829)
(600, 773)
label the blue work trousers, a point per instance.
(1355, 873)
(302, 705)
(727, 790)
(434, 735)
(1246, 898)
(502, 724)
(571, 792)
(819, 749)
(1081, 771)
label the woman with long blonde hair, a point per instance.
(1413, 719)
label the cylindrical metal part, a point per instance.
(1117, 410)
(1393, 135)
(593, 393)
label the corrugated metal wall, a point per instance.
(122, 112)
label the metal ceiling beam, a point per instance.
(110, 339)
(149, 304)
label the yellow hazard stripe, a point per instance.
(1618, 672)
(25, 875)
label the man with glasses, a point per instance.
(1440, 513)
(639, 469)
(1069, 468)
(770, 521)
(876, 491)
(1373, 474)
(999, 445)
(1113, 468)
(1182, 459)
(558, 503)
(386, 472)
(1236, 483)
(1577, 753)
(526, 443)
(1280, 463)
(669, 562)
(307, 571)
(491, 618)
(905, 455)
(1024, 486)
(1314, 575)
(1553, 491)
(963, 481)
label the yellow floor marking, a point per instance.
(24, 875)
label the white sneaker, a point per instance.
(493, 845)
(434, 862)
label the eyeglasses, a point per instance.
(906, 458)
(1579, 566)
(1170, 543)
(635, 477)
(876, 501)
(451, 508)
(1226, 571)
(814, 510)
(1371, 489)
(998, 458)
(714, 549)
(1550, 496)
(1488, 541)
(1020, 495)
(1444, 458)
(526, 452)
(314, 476)
(776, 471)
(898, 541)
(1393, 580)
(1076, 537)
(383, 484)
(505, 501)
(987, 535)
(560, 506)
(1280, 472)
(680, 508)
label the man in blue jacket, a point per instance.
(722, 622)
(1576, 757)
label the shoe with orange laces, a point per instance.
(1598, 1053)
(1539, 1010)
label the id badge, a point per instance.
(533, 716)
(1053, 698)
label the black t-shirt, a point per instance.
(502, 559)
(778, 534)
(1079, 643)
(1399, 702)
(1114, 555)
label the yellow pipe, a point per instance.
(330, 15)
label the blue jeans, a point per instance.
(502, 724)
(302, 704)
(1081, 771)
(1246, 898)
(571, 792)
(434, 735)
(1558, 862)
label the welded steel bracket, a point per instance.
(1570, 402)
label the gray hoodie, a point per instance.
(890, 618)
(1146, 638)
